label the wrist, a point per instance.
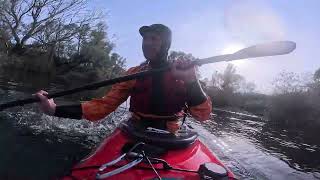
(69, 111)
(195, 94)
(53, 109)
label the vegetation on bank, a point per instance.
(296, 101)
(62, 37)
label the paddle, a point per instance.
(261, 50)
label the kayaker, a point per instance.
(157, 100)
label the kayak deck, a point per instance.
(189, 158)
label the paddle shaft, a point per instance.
(285, 47)
(92, 86)
(108, 82)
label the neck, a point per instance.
(157, 63)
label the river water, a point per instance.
(36, 146)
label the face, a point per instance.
(151, 45)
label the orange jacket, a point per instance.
(99, 108)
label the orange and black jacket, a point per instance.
(198, 103)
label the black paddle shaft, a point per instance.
(92, 86)
(261, 50)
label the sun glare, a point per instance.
(232, 48)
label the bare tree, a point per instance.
(4, 39)
(31, 19)
(4, 36)
(316, 76)
(290, 82)
(82, 36)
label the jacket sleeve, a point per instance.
(97, 109)
(199, 103)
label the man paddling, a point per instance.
(157, 101)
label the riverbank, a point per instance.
(39, 72)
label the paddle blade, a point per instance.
(267, 49)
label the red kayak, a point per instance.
(148, 153)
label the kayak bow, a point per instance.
(150, 154)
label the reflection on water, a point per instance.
(23, 81)
(36, 146)
(268, 153)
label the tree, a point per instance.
(26, 19)
(98, 48)
(118, 64)
(4, 34)
(316, 76)
(215, 81)
(56, 32)
(230, 79)
(296, 98)
(82, 36)
(4, 39)
(247, 87)
(290, 82)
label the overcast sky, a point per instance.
(208, 27)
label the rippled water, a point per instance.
(36, 146)
(259, 152)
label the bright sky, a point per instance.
(211, 27)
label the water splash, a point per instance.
(79, 131)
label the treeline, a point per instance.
(296, 100)
(228, 89)
(56, 35)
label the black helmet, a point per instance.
(162, 30)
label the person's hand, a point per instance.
(183, 69)
(46, 105)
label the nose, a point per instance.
(147, 42)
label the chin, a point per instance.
(154, 61)
(150, 58)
